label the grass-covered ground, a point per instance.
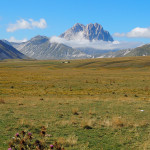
(95, 104)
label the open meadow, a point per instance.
(91, 104)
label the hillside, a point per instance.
(140, 51)
(9, 52)
(143, 50)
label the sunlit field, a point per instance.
(91, 104)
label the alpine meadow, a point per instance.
(84, 104)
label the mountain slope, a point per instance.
(9, 52)
(40, 47)
(89, 32)
(140, 51)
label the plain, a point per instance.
(95, 104)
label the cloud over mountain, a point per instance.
(27, 24)
(95, 44)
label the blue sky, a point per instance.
(126, 20)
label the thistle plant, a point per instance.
(26, 141)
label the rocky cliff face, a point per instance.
(89, 32)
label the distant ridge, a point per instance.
(140, 51)
(143, 50)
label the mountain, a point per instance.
(9, 52)
(40, 47)
(89, 32)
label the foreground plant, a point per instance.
(26, 141)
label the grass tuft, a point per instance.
(2, 101)
(88, 123)
(75, 111)
(71, 140)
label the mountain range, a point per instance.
(42, 48)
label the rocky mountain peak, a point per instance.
(90, 32)
(78, 25)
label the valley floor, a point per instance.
(95, 104)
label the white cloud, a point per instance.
(13, 39)
(100, 45)
(135, 33)
(139, 32)
(27, 24)
(41, 24)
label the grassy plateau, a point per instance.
(91, 104)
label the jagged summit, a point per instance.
(90, 32)
(78, 27)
